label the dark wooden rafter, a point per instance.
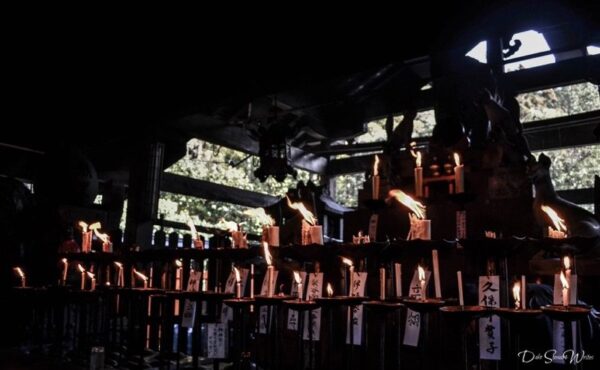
(208, 190)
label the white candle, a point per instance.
(178, 275)
(523, 292)
(351, 272)
(418, 177)
(375, 179)
(151, 276)
(382, 283)
(300, 290)
(82, 270)
(398, 275)
(238, 290)
(565, 289)
(422, 277)
(461, 300)
(459, 175)
(270, 282)
(436, 273)
(252, 281)
(517, 295)
(64, 272)
(146, 284)
(93, 284)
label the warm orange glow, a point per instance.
(95, 226)
(306, 214)
(297, 277)
(567, 262)
(559, 223)
(517, 293)
(102, 236)
(563, 280)
(83, 225)
(90, 275)
(421, 273)
(376, 166)
(329, 290)
(237, 275)
(64, 260)
(178, 263)
(118, 264)
(267, 253)
(140, 275)
(418, 160)
(416, 207)
(457, 159)
(347, 261)
(81, 269)
(19, 272)
(413, 145)
(261, 216)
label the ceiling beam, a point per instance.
(208, 190)
(578, 196)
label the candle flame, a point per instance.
(81, 269)
(567, 262)
(192, 227)
(64, 260)
(418, 160)
(178, 263)
(563, 280)
(329, 290)
(421, 272)
(261, 216)
(90, 275)
(347, 261)
(19, 272)
(376, 166)
(297, 277)
(306, 214)
(102, 236)
(118, 264)
(140, 275)
(83, 225)
(237, 275)
(417, 207)
(559, 223)
(517, 293)
(413, 145)
(267, 253)
(95, 226)
(457, 159)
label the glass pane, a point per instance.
(558, 102)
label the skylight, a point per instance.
(532, 42)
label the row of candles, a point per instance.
(459, 176)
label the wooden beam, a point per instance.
(204, 189)
(574, 130)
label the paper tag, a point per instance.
(413, 318)
(189, 307)
(292, 323)
(314, 290)
(355, 314)
(490, 341)
(415, 285)
(262, 317)
(216, 339)
(461, 224)
(373, 227)
(226, 311)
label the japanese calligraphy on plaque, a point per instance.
(315, 290)
(189, 307)
(264, 310)
(489, 327)
(413, 318)
(558, 327)
(292, 323)
(355, 313)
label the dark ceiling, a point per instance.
(108, 90)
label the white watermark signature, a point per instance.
(569, 356)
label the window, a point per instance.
(423, 127)
(347, 187)
(479, 52)
(574, 168)
(558, 102)
(532, 42)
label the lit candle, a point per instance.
(329, 290)
(436, 273)
(142, 277)
(270, 270)
(252, 281)
(64, 272)
(375, 179)
(459, 175)
(93, 279)
(418, 176)
(86, 237)
(422, 281)
(398, 275)
(270, 233)
(461, 300)
(151, 278)
(560, 228)
(82, 270)
(523, 292)
(567, 266)
(120, 276)
(382, 283)
(178, 275)
(238, 283)
(517, 295)
(106, 244)
(565, 289)
(348, 262)
(298, 281)
(21, 275)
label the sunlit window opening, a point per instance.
(593, 50)
(479, 52)
(532, 42)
